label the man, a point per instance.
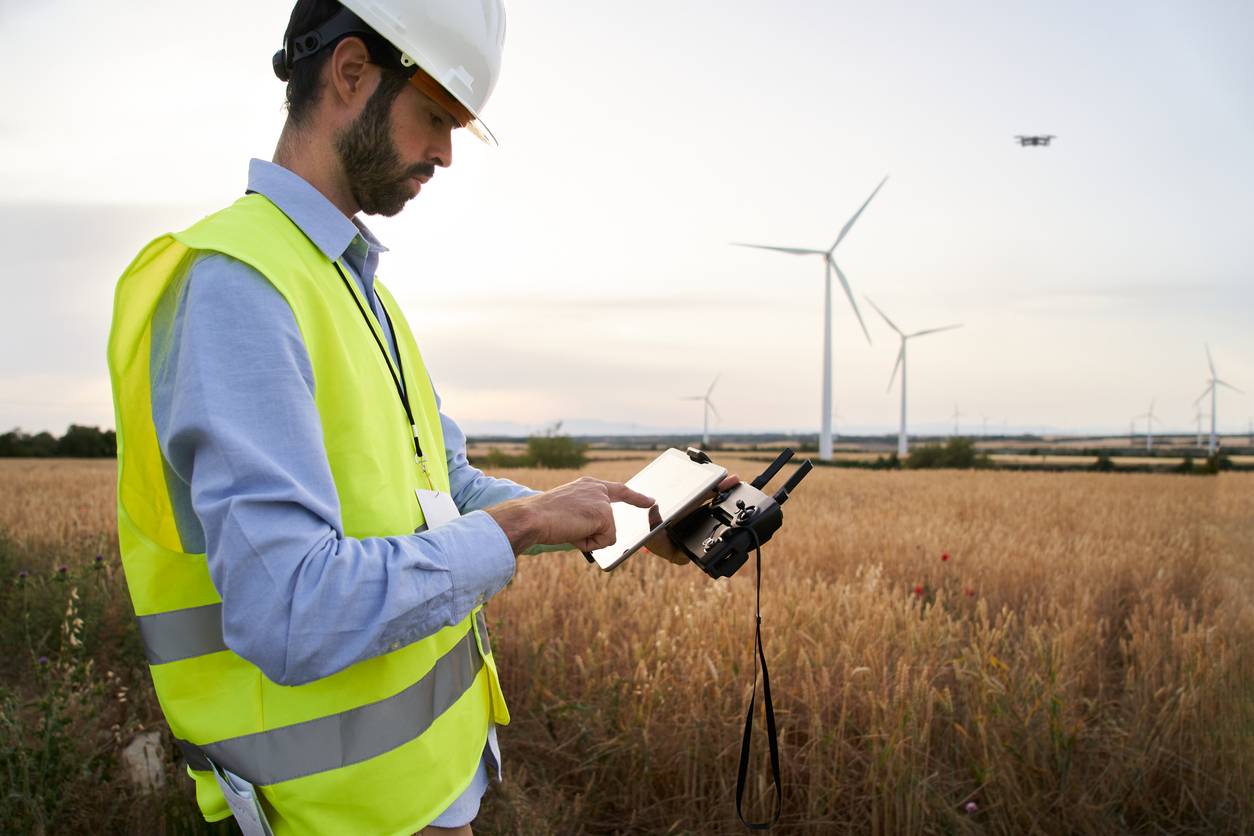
(307, 548)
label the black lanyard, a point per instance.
(772, 738)
(399, 381)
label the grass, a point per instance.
(1071, 653)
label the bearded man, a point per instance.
(307, 548)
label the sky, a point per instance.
(583, 271)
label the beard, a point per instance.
(379, 181)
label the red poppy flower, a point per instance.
(944, 556)
(918, 590)
(970, 592)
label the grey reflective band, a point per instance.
(182, 634)
(350, 737)
(481, 624)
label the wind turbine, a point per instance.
(1212, 389)
(1199, 416)
(709, 406)
(957, 415)
(1149, 426)
(902, 438)
(829, 265)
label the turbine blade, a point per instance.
(712, 385)
(1205, 392)
(881, 313)
(900, 356)
(1209, 361)
(934, 330)
(848, 226)
(693, 398)
(849, 293)
(789, 250)
(714, 409)
(1229, 385)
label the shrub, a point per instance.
(1216, 462)
(78, 442)
(956, 453)
(1104, 464)
(551, 450)
(554, 450)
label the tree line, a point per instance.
(78, 442)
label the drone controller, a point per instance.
(720, 536)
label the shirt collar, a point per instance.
(311, 211)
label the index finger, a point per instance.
(621, 493)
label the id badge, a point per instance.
(241, 797)
(437, 507)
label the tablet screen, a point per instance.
(676, 483)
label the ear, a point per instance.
(351, 77)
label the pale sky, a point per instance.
(582, 270)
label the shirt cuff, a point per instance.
(481, 565)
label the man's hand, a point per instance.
(577, 513)
(660, 543)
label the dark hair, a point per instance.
(304, 83)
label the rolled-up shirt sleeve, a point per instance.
(233, 404)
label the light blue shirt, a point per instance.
(249, 481)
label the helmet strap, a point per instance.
(342, 24)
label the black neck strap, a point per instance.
(772, 738)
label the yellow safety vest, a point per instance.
(383, 746)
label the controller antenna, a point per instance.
(781, 496)
(769, 474)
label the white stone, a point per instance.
(145, 762)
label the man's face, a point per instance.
(393, 147)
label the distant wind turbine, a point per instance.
(829, 265)
(902, 437)
(1212, 389)
(957, 415)
(709, 407)
(1149, 426)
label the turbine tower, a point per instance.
(957, 415)
(902, 437)
(829, 265)
(709, 405)
(1149, 426)
(1212, 389)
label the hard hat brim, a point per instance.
(480, 131)
(462, 115)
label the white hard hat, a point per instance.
(457, 43)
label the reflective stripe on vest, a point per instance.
(291, 752)
(197, 631)
(182, 634)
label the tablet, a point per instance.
(677, 483)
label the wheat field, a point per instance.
(950, 652)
